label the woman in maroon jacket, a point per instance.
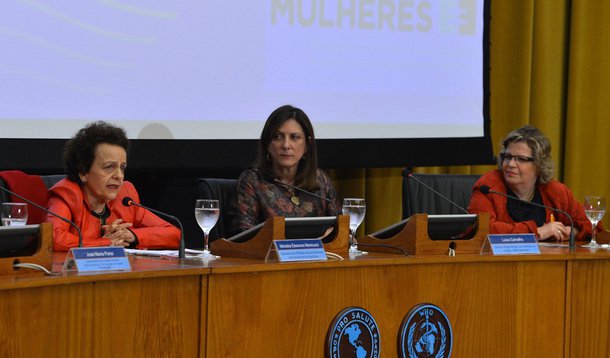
(526, 171)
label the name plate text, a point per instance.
(300, 250)
(107, 258)
(513, 244)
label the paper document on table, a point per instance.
(157, 253)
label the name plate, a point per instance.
(513, 244)
(88, 259)
(300, 250)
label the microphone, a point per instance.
(409, 174)
(485, 189)
(127, 201)
(80, 235)
(277, 181)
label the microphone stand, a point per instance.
(277, 181)
(181, 249)
(409, 174)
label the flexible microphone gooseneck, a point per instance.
(409, 174)
(486, 190)
(127, 201)
(277, 181)
(80, 235)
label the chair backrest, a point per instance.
(32, 187)
(225, 191)
(418, 199)
(50, 180)
(4, 198)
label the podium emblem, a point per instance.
(353, 333)
(425, 332)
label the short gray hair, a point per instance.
(541, 150)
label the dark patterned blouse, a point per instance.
(259, 199)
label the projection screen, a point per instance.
(390, 82)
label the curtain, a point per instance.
(587, 148)
(550, 67)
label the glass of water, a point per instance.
(356, 209)
(595, 207)
(14, 214)
(206, 213)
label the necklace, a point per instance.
(293, 196)
(295, 200)
(100, 216)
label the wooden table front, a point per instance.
(550, 305)
(154, 310)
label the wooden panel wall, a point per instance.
(146, 317)
(47, 321)
(590, 329)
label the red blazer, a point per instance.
(554, 194)
(67, 199)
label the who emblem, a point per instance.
(425, 332)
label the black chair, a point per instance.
(225, 191)
(50, 180)
(416, 198)
(3, 195)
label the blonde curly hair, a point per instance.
(541, 150)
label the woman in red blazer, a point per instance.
(525, 170)
(91, 196)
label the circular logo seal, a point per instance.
(353, 333)
(425, 332)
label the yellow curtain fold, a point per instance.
(587, 148)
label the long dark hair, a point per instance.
(306, 177)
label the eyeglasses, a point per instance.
(519, 159)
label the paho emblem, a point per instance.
(353, 333)
(425, 332)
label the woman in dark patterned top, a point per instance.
(286, 156)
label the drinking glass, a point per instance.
(206, 213)
(595, 207)
(355, 208)
(14, 214)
